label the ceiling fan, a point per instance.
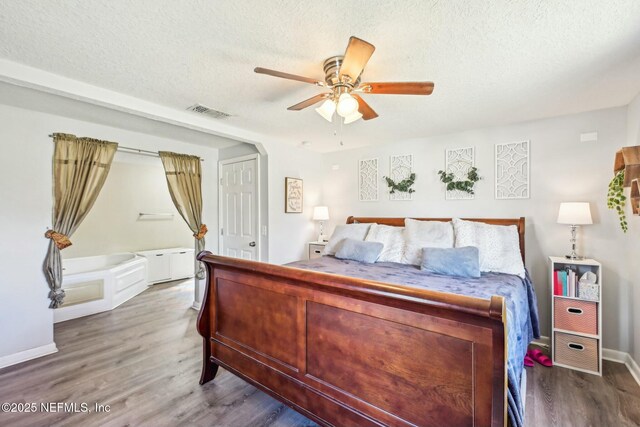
(343, 80)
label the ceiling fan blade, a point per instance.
(398, 88)
(309, 102)
(355, 58)
(288, 76)
(364, 108)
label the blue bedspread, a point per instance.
(519, 294)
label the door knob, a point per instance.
(252, 244)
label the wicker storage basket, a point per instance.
(578, 352)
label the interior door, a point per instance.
(239, 190)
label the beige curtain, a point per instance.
(80, 167)
(184, 179)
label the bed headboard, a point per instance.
(399, 222)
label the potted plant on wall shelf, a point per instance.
(626, 169)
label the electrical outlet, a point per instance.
(264, 230)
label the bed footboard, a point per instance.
(351, 352)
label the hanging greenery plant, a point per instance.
(403, 186)
(466, 185)
(616, 198)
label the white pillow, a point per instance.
(345, 231)
(393, 240)
(499, 245)
(425, 234)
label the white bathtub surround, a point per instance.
(165, 265)
(100, 283)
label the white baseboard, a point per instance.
(614, 355)
(542, 342)
(23, 356)
(607, 354)
(633, 367)
(196, 305)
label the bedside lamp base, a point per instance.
(573, 255)
(322, 237)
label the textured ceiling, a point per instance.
(493, 62)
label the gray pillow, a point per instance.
(345, 231)
(461, 262)
(359, 251)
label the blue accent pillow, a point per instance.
(461, 262)
(358, 250)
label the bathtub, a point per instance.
(100, 283)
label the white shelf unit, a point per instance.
(169, 264)
(580, 266)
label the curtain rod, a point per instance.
(136, 151)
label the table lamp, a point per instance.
(574, 214)
(321, 213)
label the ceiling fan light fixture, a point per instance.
(327, 109)
(347, 105)
(343, 85)
(352, 117)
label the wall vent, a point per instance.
(201, 109)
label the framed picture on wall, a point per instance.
(292, 195)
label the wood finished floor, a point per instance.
(143, 359)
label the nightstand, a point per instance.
(576, 314)
(315, 249)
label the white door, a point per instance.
(239, 190)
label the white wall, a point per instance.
(562, 169)
(26, 322)
(25, 210)
(289, 232)
(135, 184)
(633, 251)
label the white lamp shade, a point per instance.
(321, 213)
(327, 109)
(347, 105)
(352, 117)
(574, 213)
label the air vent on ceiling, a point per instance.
(201, 109)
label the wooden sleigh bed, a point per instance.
(351, 352)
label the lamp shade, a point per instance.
(352, 117)
(574, 213)
(347, 105)
(321, 213)
(327, 109)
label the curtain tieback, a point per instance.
(57, 297)
(200, 234)
(59, 239)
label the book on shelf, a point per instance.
(566, 283)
